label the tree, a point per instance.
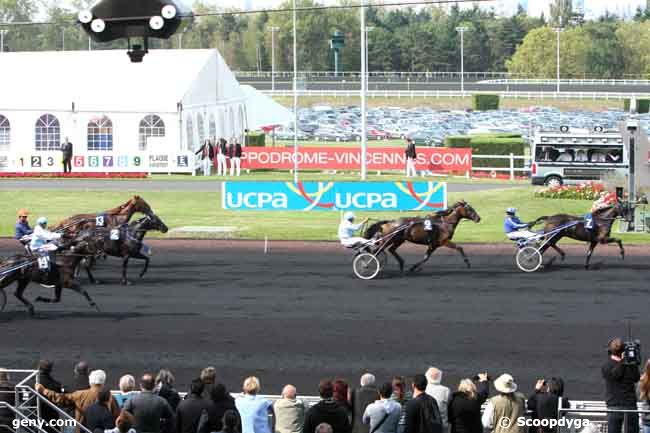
(561, 13)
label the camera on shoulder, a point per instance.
(632, 352)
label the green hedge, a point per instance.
(491, 144)
(485, 102)
(256, 139)
(642, 105)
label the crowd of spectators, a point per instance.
(425, 405)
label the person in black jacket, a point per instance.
(66, 150)
(206, 152)
(464, 410)
(222, 152)
(422, 413)
(411, 155)
(221, 402)
(620, 383)
(189, 410)
(235, 152)
(165, 388)
(45, 378)
(544, 402)
(98, 416)
(80, 376)
(327, 411)
(360, 398)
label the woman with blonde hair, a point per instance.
(464, 411)
(253, 409)
(644, 396)
(127, 390)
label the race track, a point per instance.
(297, 314)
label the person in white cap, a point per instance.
(42, 237)
(514, 228)
(347, 228)
(503, 410)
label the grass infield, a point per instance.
(204, 209)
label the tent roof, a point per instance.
(107, 81)
(262, 110)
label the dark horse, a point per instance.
(435, 231)
(23, 269)
(129, 245)
(603, 220)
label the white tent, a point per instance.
(262, 110)
(105, 104)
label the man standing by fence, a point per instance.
(621, 376)
(411, 154)
(66, 150)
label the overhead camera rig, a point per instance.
(110, 20)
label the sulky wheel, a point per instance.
(529, 259)
(366, 266)
(383, 259)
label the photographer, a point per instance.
(544, 401)
(620, 374)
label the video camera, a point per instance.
(631, 349)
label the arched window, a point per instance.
(212, 126)
(200, 128)
(190, 133)
(47, 133)
(150, 126)
(5, 133)
(100, 134)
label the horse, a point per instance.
(129, 245)
(108, 219)
(433, 230)
(59, 270)
(603, 220)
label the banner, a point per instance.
(52, 162)
(437, 159)
(334, 196)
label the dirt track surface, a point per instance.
(297, 314)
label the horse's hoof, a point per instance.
(562, 257)
(126, 283)
(97, 282)
(469, 265)
(31, 310)
(96, 308)
(41, 299)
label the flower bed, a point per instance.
(585, 191)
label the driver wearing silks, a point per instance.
(42, 236)
(514, 228)
(347, 228)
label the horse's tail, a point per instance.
(374, 229)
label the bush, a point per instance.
(585, 191)
(485, 102)
(256, 139)
(491, 144)
(642, 105)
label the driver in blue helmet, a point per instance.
(42, 237)
(514, 228)
(347, 228)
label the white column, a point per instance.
(462, 31)
(295, 96)
(364, 88)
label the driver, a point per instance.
(42, 236)
(514, 228)
(347, 229)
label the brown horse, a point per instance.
(603, 220)
(433, 230)
(23, 269)
(111, 218)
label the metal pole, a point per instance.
(180, 41)
(63, 39)
(2, 41)
(273, 30)
(364, 88)
(558, 30)
(462, 31)
(90, 44)
(295, 96)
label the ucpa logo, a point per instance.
(256, 200)
(365, 200)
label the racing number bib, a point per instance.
(44, 263)
(428, 226)
(100, 221)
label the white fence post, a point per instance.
(512, 166)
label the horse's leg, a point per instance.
(592, 245)
(87, 265)
(77, 288)
(620, 245)
(20, 289)
(125, 263)
(430, 250)
(57, 296)
(458, 248)
(146, 266)
(393, 250)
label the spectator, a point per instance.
(123, 424)
(189, 410)
(342, 394)
(7, 395)
(45, 378)
(422, 413)
(235, 157)
(165, 388)
(289, 412)
(253, 410)
(22, 225)
(66, 150)
(439, 392)
(401, 396)
(209, 378)
(464, 411)
(127, 389)
(83, 399)
(206, 152)
(222, 402)
(222, 151)
(508, 404)
(151, 412)
(80, 376)
(230, 422)
(411, 155)
(644, 397)
(360, 398)
(98, 415)
(323, 428)
(327, 411)
(544, 401)
(620, 379)
(383, 415)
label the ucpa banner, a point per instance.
(308, 196)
